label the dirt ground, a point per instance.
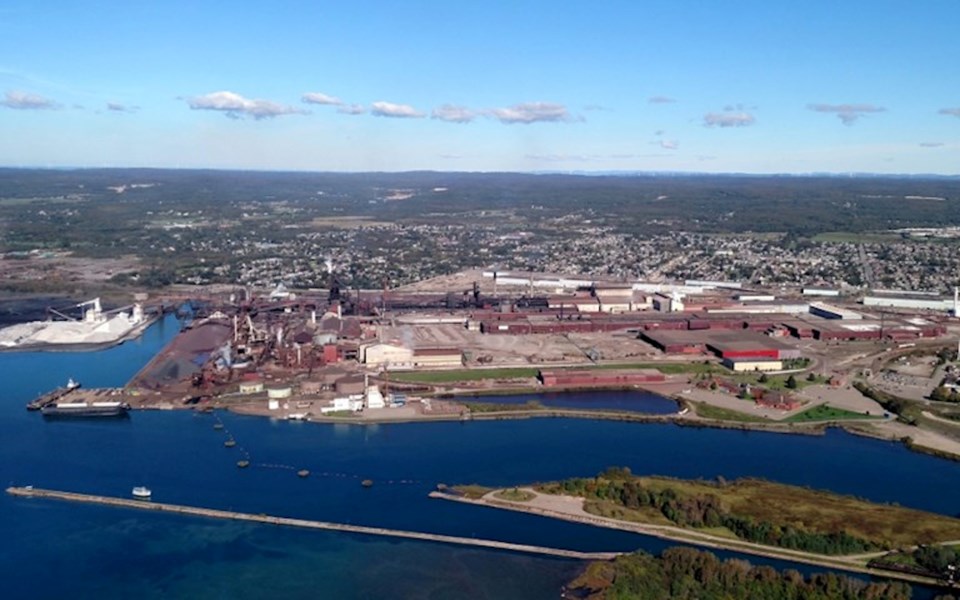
(534, 349)
(66, 268)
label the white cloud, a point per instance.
(321, 98)
(669, 144)
(453, 114)
(728, 119)
(397, 111)
(236, 106)
(352, 109)
(532, 112)
(661, 100)
(24, 101)
(121, 108)
(950, 111)
(847, 113)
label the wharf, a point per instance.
(31, 492)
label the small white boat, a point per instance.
(142, 493)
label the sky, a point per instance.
(605, 85)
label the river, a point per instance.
(55, 549)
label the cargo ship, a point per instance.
(85, 409)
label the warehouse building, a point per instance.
(829, 311)
(740, 365)
(388, 355)
(750, 345)
(437, 357)
(676, 342)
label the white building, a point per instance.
(348, 403)
(388, 355)
(374, 398)
(807, 291)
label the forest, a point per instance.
(689, 574)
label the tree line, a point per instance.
(688, 574)
(617, 485)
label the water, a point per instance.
(627, 401)
(53, 549)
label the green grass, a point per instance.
(779, 382)
(464, 375)
(708, 411)
(472, 491)
(824, 412)
(515, 495)
(459, 375)
(488, 407)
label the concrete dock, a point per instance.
(31, 492)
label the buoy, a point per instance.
(243, 464)
(218, 426)
(366, 482)
(303, 472)
(229, 443)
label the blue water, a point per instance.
(627, 401)
(51, 549)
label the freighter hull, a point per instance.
(55, 411)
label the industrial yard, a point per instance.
(753, 355)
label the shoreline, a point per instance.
(678, 419)
(693, 537)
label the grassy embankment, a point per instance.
(496, 407)
(709, 411)
(760, 511)
(825, 412)
(465, 375)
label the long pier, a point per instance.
(212, 513)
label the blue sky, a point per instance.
(682, 85)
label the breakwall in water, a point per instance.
(212, 513)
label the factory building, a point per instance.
(583, 304)
(749, 345)
(251, 387)
(437, 357)
(908, 300)
(811, 291)
(740, 365)
(676, 342)
(754, 298)
(734, 285)
(668, 303)
(829, 311)
(762, 308)
(388, 355)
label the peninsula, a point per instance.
(749, 516)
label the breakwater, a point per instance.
(852, 564)
(212, 513)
